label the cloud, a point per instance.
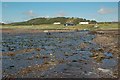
(30, 13)
(105, 10)
(61, 14)
(47, 16)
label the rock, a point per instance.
(76, 30)
(38, 49)
(85, 63)
(93, 32)
(44, 57)
(74, 60)
(61, 61)
(42, 76)
(104, 70)
(83, 45)
(46, 62)
(11, 49)
(11, 66)
(37, 56)
(65, 69)
(66, 54)
(48, 33)
(51, 54)
(31, 58)
(11, 54)
(80, 60)
(98, 56)
(45, 31)
(75, 53)
(101, 49)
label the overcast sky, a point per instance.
(22, 11)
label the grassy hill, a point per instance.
(62, 20)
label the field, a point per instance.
(80, 51)
(62, 27)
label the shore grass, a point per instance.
(108, 26)
(62, 27)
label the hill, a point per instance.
(62, 20)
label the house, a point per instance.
(57, 23)
(69, 24)
(84, 23)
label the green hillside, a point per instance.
(62, 20)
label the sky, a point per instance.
(22, 11)
(60, 0)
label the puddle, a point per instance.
(109, 63)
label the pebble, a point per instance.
(104, 70)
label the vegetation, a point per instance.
(62, 27)
(47, 24)
(62, 20)
(107, 26)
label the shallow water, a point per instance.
(57, 46)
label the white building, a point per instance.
(57, 23)
(84, 23)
